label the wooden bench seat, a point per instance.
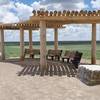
(68, 55)
(32, 52)
(76, 59)
(54, 54)
(73, 57)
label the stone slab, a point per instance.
(89, 74)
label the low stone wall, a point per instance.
(89, 74)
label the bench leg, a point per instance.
(24, 56)
(52, 58)
(47, 57)
(32, 56)
(67, 60)
(62, 59)
(58, 58)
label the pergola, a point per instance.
(53, 19)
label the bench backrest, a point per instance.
(54, 52)
(27, 51)
(69, 54)
(76, 60)
(78, 56)
(58, 52)
(72, 54)
(50, 51)
(33, 51)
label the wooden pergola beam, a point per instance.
(68, 19)
(21, 43)
(28, 26)
(93, 49)
(43, 62)
(30, 39)
(2, 50)
(55, 38)
(17, 29)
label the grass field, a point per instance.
(14, 51)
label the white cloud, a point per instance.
(95, 4)
(23, 10)
(81, 5)
(3, 2)
(10, 18)
(18, 10)
(11, 35)
(6, 15)
(14, 11)
(36, 5)
(63, 4)
(75, 32)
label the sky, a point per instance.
(12, 11)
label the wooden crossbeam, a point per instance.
(66, 13)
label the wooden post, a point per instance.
(21, 43)
(43, 62)
(55, 38)
(93, 49)
(30, 39)
(2, 50)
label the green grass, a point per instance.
(14, 51)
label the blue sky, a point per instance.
(15, 10)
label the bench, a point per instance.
(68, 55)
(32, 52)
(89, 74)
(54, 54)
(76, 59)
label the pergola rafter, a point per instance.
(26, 26)
(66, 13)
